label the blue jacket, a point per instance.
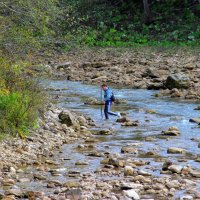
(107, 94)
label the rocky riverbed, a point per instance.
(74, 155)
(117, 177)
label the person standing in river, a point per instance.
(108, 99)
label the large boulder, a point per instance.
(178, 80)
(66, 117)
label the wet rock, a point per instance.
(129, 150)
(197, 108)
(128, 171)
(150, 111)
(178, 81)
(172, 131)
(93, 101)
(175, 150)
(173, 184)
(104, 132)
(130, 123)
(131, 194)
(120, 101)
(122, 120)
(175, 168)
(166, 165)
(71, 184)
(195, 120)
(95, 154)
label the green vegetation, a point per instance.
(122, 23)
(20, 100)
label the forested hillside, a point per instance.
(65, 23)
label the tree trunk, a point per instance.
(147, 12)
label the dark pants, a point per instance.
(107, 108)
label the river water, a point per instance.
(169, 112)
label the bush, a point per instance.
(21, 98)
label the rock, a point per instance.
(122, 120)
(195, 173)
(9, 197)
(173, 184)
(93, 101)
(150, 111)
(131, 194)
(197, 108)
(144, 173)
(175, 150)
(73, 194)
(66, 117)
(166, 165)
(71, 184)
(195, 120)
(82, 121)
(130, 123)
(24, 180)
(16, 192)
(81, 163)
(120, 101)
(116, 162)
(128, 171)
(8, 182)
(175, 168)
(95, 154)
(186, 197)
(129, 150)
(39, 177)
(63, 65)
(178, 81)
(172, 131)
(104, 132)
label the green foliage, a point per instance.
(21, 98)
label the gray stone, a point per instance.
(195, 120)
(175, 168)
(66, 117)
(175, 150)
(132, 194)
(128, 171)
(172, 131)
(186, 197)
(177, 81)
(129, 150)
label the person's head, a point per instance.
(104, 86)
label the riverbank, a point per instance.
(174, 73)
